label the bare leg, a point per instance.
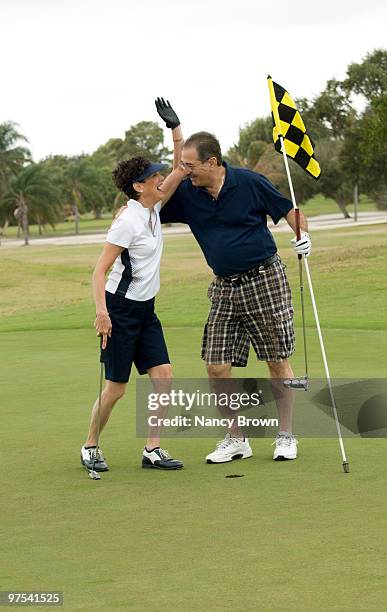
(161, 377)
(215, 374)
(283, 395)
(112, 392)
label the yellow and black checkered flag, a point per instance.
(288, 123)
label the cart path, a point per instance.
(322, 222)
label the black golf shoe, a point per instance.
(93, 459)
(160, 459)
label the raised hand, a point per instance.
(167, 113)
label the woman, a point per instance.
(125, 318)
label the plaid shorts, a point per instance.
(254, 309)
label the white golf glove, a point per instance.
(303, 246)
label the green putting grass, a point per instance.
(287, 536)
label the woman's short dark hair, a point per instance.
(126, 172)
(207, 145)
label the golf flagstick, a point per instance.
(300, 258)
(328, 377)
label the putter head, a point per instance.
(94, 475)
(301, 383)
(346, 467)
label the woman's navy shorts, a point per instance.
(137, 337)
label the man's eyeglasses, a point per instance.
(192, 166)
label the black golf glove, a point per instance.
(167, 113)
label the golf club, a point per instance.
(93, 474)
(302, 383)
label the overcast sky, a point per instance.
(78, 72)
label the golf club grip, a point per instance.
(298, 228)
(102, 353)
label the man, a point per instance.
(226, 209)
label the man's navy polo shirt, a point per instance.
(232, 230)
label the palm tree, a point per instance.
(33, 194)
(83, 184)
(12, 155)
(12, 158)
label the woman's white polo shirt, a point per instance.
(136, 272)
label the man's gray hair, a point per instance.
(207, 145)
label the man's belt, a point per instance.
(258, 269)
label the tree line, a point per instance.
(64, 187)
(347, 121)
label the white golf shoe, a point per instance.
(229, 449)
(93, 459)
(285, 447)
